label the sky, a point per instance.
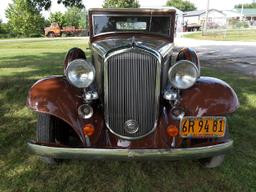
(200, 4)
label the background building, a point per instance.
(249, 14)
(194, 20)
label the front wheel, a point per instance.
(46, 124)
(50, 35)
(63, 34)
(212, 162)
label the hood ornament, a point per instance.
(133, 41)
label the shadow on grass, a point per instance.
(31, 60)
(16, 121)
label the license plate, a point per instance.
(202, 127)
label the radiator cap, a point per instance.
(131, 126)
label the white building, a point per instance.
(232, 14)
(216, 18)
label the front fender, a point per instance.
(55, 96)
(209, 96)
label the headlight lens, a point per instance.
(183, 74)
(80, 73)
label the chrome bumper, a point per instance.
(99, 153)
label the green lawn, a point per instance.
(229, 35)
(23, 62)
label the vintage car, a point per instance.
(134, 99)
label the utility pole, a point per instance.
(206, 18)
(241, 14)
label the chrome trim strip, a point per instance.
(157, 92)
(100, 153)
(167, 49)
(98, 49)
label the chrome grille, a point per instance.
(131, 92)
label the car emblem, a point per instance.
(131, 126)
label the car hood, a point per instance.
(103, 47)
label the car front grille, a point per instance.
(131, 93)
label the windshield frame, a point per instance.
(149, 17)
(126, 12)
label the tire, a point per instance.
(63, 35)
(212, 162)
(45, 133)
(50, 34)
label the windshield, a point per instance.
(155, 24)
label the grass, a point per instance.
(229, 35)
(23, 62)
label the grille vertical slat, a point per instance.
(131, 91)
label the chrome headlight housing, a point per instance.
(80, 73)
(183, 74)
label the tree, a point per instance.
(121, 4)
(46, 4)
(4, 29)
(247, 6)
(183, 5)
(1, 28)
(83, 22)
(74, 17)
(24, 19)
(57, 17)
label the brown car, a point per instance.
(134, 99)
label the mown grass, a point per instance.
(23, 62)
(222, 35)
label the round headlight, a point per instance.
(183, 74)
(80, 73)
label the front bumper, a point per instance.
(100, 153)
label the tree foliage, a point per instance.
(83, 22)
(246, 5)
(24, 19)
(46, 4)
(183, 5)
(4, 30)
(74, 16)
(121, 4)
(3, 27)
(57, 17)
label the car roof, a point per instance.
(148, 11)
